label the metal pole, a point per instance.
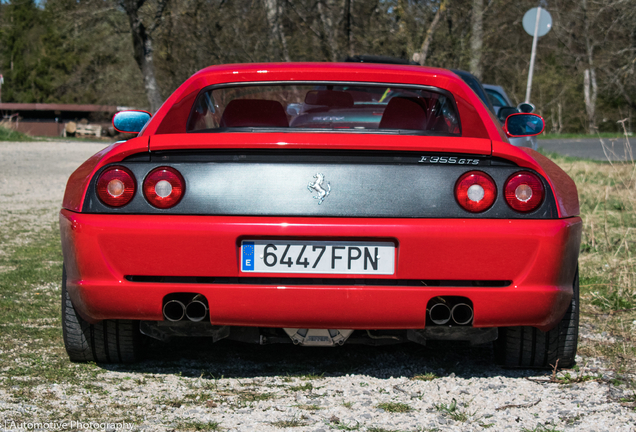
(535, 38)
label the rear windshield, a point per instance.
(356, 107)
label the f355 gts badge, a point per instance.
(317, 187)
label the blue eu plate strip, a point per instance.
(248, 256)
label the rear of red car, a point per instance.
(319, 204)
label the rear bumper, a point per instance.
(538, 256)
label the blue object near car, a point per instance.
(132, 121)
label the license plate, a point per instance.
(291, 256)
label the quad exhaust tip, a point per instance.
(197, 309)
(174, 310)
(450, 310)
(440, 313)
(462, 313)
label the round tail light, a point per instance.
(116, 186)
(164, 187)
(524, 191)
(475, 191)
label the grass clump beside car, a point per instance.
(608, 206)
(8, 134)
(607, 194)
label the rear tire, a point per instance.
(532, 348)
(108, 341)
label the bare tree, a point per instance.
(274, 13)
(477, 37)
(430, 31)
(348, 25)
(329, 29)
(585, 67)
(142, 46)
(590, 87)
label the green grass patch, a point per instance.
(8, 134)
(381, 429)
(344, 426)
(568, 378)
(35, 271)
(302, 387)
(308, 407)
(452, 410)
(289, 423)
(542, 428)
(173, 402)
(395, 407)
(429, 376)
(91, 139)
(250, 396)
(31, 333)
(304, 377)
(199, 426)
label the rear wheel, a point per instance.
(108, 341)
(530, 347)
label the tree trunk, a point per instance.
(477, 36)
(142, 51)
(274, 12)
(328, 30)
(429, 33)
(589, 93)
(589, 74)
(348, 21)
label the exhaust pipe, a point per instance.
(174, 310)
(440, 313)
(462, 313)
(197, 309)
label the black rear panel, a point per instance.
(360, 184)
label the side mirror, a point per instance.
(130, 121)
(505, 111)
(525, 107)
(521, 124)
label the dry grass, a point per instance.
(607, 194)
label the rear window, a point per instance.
(355, 107)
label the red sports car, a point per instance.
(320, 204)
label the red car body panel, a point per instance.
(77, 184)
(343, 141)
(562, 185)
(537, 256)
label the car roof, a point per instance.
(500, 90)
(173, 114)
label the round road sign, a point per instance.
(530, 19)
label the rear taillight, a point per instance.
(116, 186)
(475, 191)
(164, 187)
(524, 191)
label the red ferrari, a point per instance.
(320, 204)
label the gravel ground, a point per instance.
(32, 180)
(191, 385)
